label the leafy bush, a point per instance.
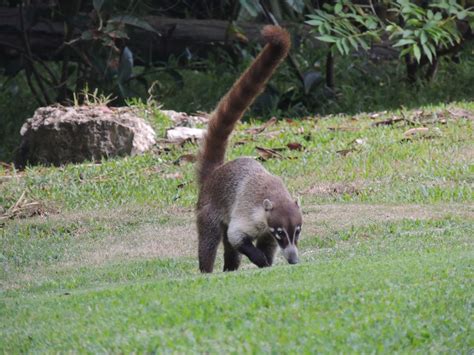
(422, 33)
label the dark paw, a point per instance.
(263, 262)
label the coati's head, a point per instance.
(284, 221)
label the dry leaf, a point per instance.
(263, 127)
(241, 37)
(344, 152)
(422, 132)
(388, 122)
(272, 134)
(5, 178)
(294, 146)
(24, 209)
(185, 158)
(267, 153)
(461, 113)
(416, 131)
(243, 142)
(153, 170)
(354, 146)
(6, 166)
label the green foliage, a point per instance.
(345, 26)
(364, 86)
(111, 67)
(280, 9)
(93, 53)
(426, 31)
(420, 32)
(16, 105)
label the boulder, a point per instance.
(56, 135)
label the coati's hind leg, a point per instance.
(209, 234)
(268, 246)
(232, 257)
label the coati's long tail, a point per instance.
(232, 106)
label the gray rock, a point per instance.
(185, 120)
(56, 135)
(180, 134)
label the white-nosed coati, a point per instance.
(239, 201)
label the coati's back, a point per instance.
(223, 184)
(242, 179)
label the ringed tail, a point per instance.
(240, 96)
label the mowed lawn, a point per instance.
(387, 249)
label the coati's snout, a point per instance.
(289, 250)
(290, 253)
(284, 223)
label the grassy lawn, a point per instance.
(387, 250)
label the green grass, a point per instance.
(387, 249)
(404, 289)
(385, 169)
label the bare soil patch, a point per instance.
(323, 219)
(150, 241)
(334, 189)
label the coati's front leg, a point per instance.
(268, 246)
(253, 253)
(242, 241)
(209, 234)
(232, 257)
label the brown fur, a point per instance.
(231, 196)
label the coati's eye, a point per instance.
(297, 232)
(280, 233)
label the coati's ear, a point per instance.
(267, 204)
(298, 202)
